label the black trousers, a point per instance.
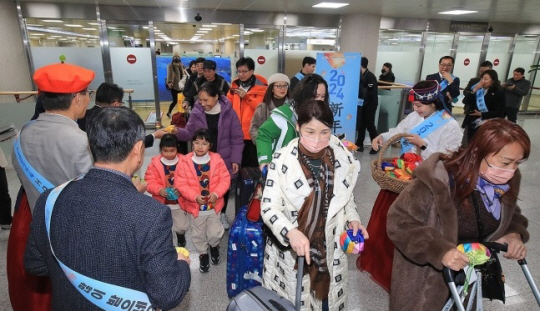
(249, 155)
(511, 114)
(174, 94)
(5, 199)
(365, 119)
(226, 199)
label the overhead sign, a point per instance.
(342, 73)
(457, 26)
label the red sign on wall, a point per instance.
(496, 62)
(261, 60)
(466, 62)
(131, 59)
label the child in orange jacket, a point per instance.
(160, 184)
(202, 179)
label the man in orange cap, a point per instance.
(48, 152)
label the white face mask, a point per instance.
(314, 145)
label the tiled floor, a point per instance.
(208, 291)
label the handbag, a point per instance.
(492, 274)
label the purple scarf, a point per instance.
(491, 195)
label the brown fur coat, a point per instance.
(422, 223)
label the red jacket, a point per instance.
(155, 177)
(187, 182)
(245, 107)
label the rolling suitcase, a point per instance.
(245, 254)
(245, 186)
(260, 298)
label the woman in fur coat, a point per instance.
(469, 196)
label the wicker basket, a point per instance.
(383, 180)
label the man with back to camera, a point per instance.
(111, 95)
(48, 152)
(515, 88)
(246, 93)
(386, 73)
(365, 114)
(308, 66)
(448, 83)
(209, 76)
(194, 76)
(102, 228)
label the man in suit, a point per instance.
(449, 84)
(104, 229)
(55, 147)
(111, 95)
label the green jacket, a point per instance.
(276, 132)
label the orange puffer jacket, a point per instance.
(245, 107)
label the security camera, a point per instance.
(490, 29)
(198, 17)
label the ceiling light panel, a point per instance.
(52, 21)
(457, 12)
(330, 5)
(73, 25)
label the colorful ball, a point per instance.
(351, 244)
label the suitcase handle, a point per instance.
(299, 278)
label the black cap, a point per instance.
(209, 64)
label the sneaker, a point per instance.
(5, 227)
(225, 221)
(205, 263)
(214, 254)
(181, 240)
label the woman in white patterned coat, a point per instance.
(307, 203)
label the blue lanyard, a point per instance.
(427, 127)
(299, 75)
(39, 182)
(444, 84)
(104, 295)
(480, 101)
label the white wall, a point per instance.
(271, 64)
(137, 76)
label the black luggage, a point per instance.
(245, 186)
(260, 298)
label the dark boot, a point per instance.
(214, 254)
(181, 240)
(205, 263)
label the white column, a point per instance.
(360, 33)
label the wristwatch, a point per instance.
(424, 147)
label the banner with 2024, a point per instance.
(342, 73)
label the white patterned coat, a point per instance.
(285, 192)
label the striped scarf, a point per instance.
(312, 215)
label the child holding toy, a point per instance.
(202, 180)
(160, 180)
(431, 129)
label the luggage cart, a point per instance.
(476, 290)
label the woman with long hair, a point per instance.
(486, 103)
(468, 196)
(176, 79)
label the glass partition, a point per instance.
(437, 46)
(396, 46)
(261, 44)
(306, 41)
(76, 41)
(467, 57)
(523, 56)
(498, 53)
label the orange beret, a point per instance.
(63, 78)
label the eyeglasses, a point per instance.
(242, 71)
(281, 86)
(90, 94)
(446, 65)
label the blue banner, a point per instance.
(223, 68)
(342, 73)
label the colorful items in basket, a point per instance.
(403, 167)
(349, 145)
(351, 244)
(478, 254)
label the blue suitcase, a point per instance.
(245, 254)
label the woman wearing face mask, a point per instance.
(487, 102)
(214, 112)
(176, 79)
(469, 196)
(307, 203)
(444, 137)
(280, 128)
